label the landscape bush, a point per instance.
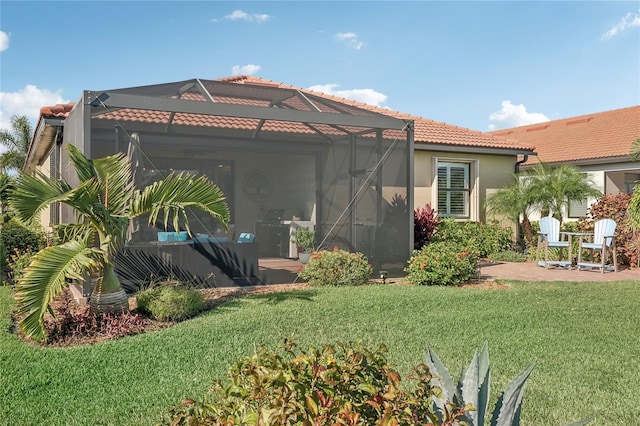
(442, 263)
(614, 206)
(425, 223)
(351, 384)
(335, 268)
(342, 384)
(170, 303)
(19, 242)
(482, 238)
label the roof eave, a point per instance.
(587, 162)
(43, 140)
(420, 146)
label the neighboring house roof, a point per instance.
(428, 134)
(587, 139)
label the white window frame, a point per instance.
(472, 201)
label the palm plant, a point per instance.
(554, 188)
(16, 142)
(515, 200)
(104, 203)
(635, 150)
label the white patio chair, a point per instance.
(604, 242)
(549, 236)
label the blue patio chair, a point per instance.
(604, 242)
(549, 236)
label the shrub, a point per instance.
(337, 267)
(170, 303)
(614, 206)
(442, 263)
(425, 223)
(342, 384)
(483, 238)
(17, 241)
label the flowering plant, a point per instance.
(337, 267)
(442, 263)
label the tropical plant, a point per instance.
(16, 141)
(473, 390)
(515, 201)
(104, 203)
(635, 150)
(6, 185)
(305, 239)
(342, 384)
(616, 207)
(425, 224)
(554, 188)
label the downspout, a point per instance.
(520, 228)
(517, 166)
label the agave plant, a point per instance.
(473, 391)
(104, 202)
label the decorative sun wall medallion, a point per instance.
(257, 185)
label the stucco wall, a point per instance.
(489, 173)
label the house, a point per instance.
(284, 157)
(599, 144)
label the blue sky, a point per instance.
(481, 65)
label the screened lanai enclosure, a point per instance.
(284, 158)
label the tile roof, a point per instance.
(425, 131)
(58, 110)
(586, 138)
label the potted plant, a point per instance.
(305, 239)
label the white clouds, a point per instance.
(241, 15)
(4, 41)
(248, 69)
(26, 101)
(511, 115)
(368, 96)
(350, 39)
(628, 21)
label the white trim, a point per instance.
(474, 181)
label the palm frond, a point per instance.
(116, 177)
(76, 232)
(171, 197)
(635, 150)
(83, 166)
(113, 173)
(32, 194)
(46, 276)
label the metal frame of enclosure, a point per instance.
(283, 157)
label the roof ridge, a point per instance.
(574, 119)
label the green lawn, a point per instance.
(584, 337)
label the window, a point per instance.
(630, 181)
(453, 189)
(578, 208)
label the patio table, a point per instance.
(570, 236)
